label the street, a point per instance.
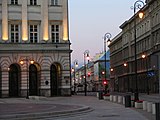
(54, 108)
(101, 110)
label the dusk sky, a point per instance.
(91, 19)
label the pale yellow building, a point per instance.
(34, 48)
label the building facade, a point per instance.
(95, 73)
(34, 48)
(99, 71)
(147, 43)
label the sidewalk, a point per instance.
(142, 96)
(12, 108)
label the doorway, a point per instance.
(55, 77)
(14, 80)
(33, 80)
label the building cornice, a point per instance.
(34, 47)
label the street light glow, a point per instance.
(111, 69)
(21, 62)
(141, 14)
(143, 56)
(32, 61)
(125, 64)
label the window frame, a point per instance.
(34, 33)
(15, 33)
(55, 34)
(14, 2)
(33, 2)
(54, 2)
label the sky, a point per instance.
(89, 21)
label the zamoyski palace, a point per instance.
(34, 48)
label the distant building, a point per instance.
(34, 48)
(95, 73)
(99, 70)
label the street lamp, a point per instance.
(27, 72)
(127, 70)
(113, 82)
(75, 63)
(86, 56)
(137, 5)
(125, 64)
(107, 37)
(145, 57)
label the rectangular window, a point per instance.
(14, 2)
(33, 33)
(54, 2)
(55, 33)
(14, 33)
(33, 2)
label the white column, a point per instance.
(5, 20)
(65, 20)
(44, 25)
(24, 21)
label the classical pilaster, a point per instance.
(24, 21)
(5, 20)
(65, 20)
(44, 25)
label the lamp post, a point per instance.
(75, 62)
(137, 5)
(27, 72)
(107, 37)
(86, 56)
(127, 68)
(145, 57)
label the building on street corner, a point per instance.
(35, 48)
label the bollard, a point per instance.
(111, 98)
(144, 105)
(127, 101)
(100, 95)
(149, 106)
(157, 111)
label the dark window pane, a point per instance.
(35, 34)
(35, 37)
(31, 2)
(12, 1)
(31, 34)
(31, 41)
(31, 28)
(16, 1)
(35, 28)
(12, 27)
(12, 35)
(12, 41)
(57, 28)
(52, 27)
(16, 27)
(35, 41)
(35, 2)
